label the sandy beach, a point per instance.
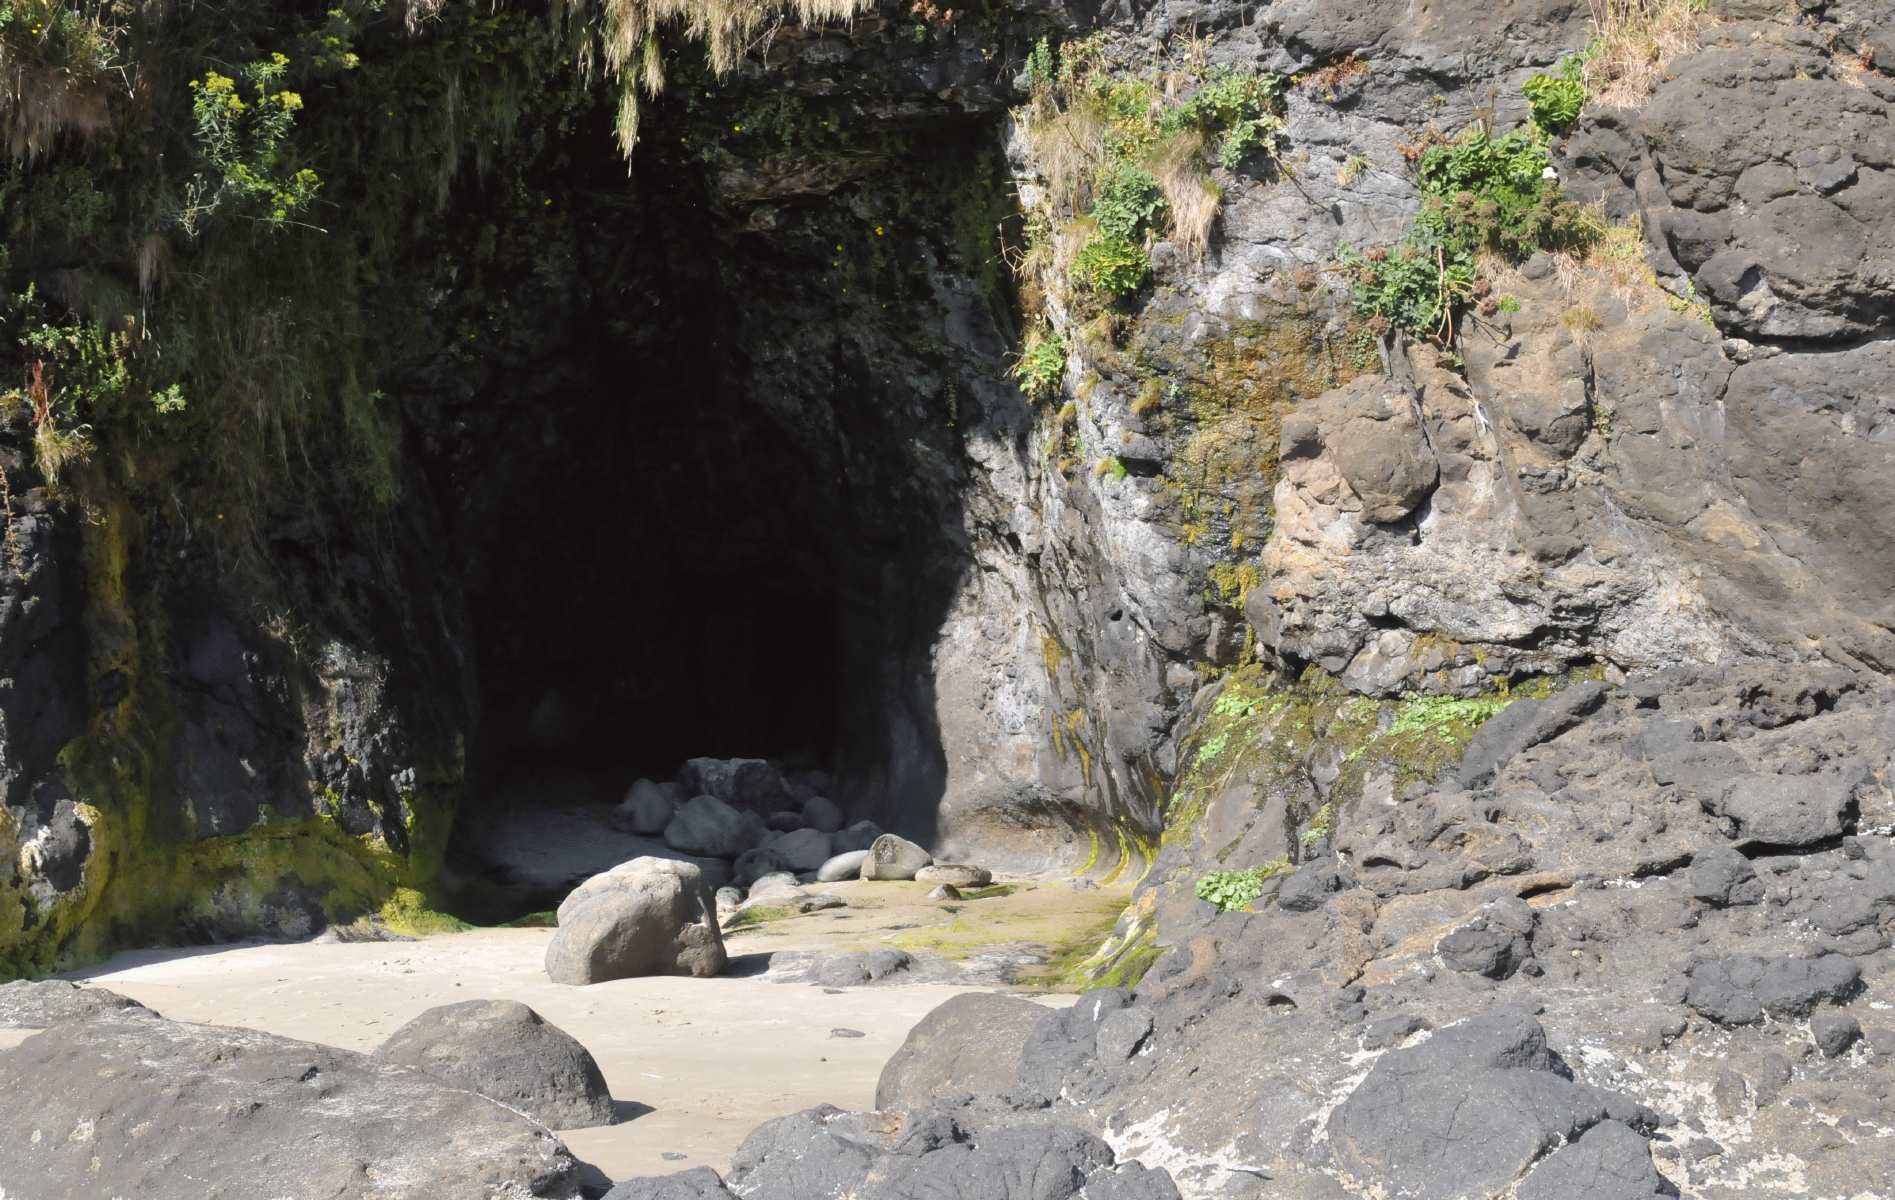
(693, 1064)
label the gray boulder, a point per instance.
(784, 822)
(802, 849)
(706, 825)
(647, 808)
(649, 916)
(43, 1003)
(1740, 989)
(956, 875)
(1834, 1033)
(139, 1106)
(1609, 1162)
(931, 1155)
(1788, 810)
(843, 866)
(699, 1183)
(753, 865)
(1721, 877)
(859, 836)
(967, 1043)
(894, 857)
(1063, 1044)
(822, 814)
(506, 1052)
(748, 783)
(853, 968)
(1465, 1112)
(1523, 724)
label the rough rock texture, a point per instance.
(650, 916)
(706, 825)
(972, 1042)
(40, 1004)
(131, 1105)
(506, 1052)
(893, 857)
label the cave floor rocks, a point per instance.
(693, 1064)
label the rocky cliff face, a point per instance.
(730, 457)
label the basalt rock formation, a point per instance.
(989, 410)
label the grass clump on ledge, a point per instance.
(1125, 152)
(1480, 195)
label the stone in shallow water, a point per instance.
(955, 875)
(894, 857)
(649, 916)
(153, 1108)
(507, 1052)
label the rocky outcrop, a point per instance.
(43, 1003)
(131, 1105)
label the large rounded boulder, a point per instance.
(507, 1052)
(649, 916)
(894, 857)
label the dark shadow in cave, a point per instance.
(679, 482)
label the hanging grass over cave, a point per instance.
(625, 33)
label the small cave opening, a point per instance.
(682, 501)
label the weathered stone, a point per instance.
(955, 875)
(1788, 810)
(650, 916)
(698, 1183)
(1523, 724)
(708, 826)
(42, 1003)
(822, 814)
(1466, 1111)
(892, 857)
(152, 1108)
(847, 865)
(647, 808)
(1834, 1032)
(1721, 876)
(1608, 1162)
(802, 850)
(748, 783)
(506, 1052)
(972, 1042)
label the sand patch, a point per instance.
(695, 1064)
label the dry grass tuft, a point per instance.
(56, 75)
(1633, 42)
(1582, 319)
(1194, 198)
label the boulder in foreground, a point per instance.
(894, 857)
(649, 916)
(506, 1052)
(128, 1104)
(972, 1042)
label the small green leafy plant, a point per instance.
(1554, 101)
(242, 141)
(1042, 363)
(1230, 891)
(1479, 193)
